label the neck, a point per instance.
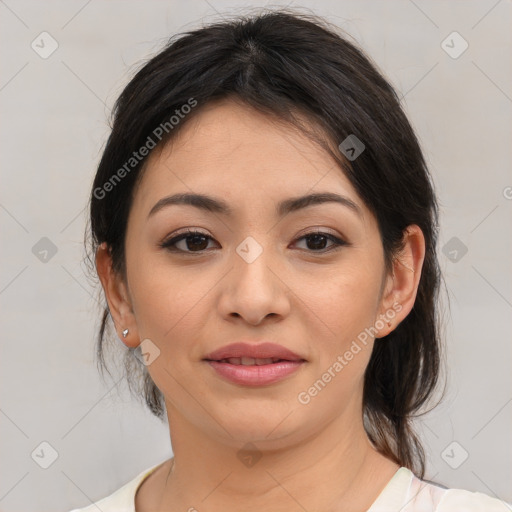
(282, 475)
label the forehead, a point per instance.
(236, 151)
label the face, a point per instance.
(309, 279)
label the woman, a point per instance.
(264, 228)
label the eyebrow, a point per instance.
(216, 205)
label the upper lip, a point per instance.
(260, 351)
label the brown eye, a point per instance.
(197, 242)
(317, 241)
(193, 241)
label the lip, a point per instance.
(260, 351)
(262, 375)
(254, 375)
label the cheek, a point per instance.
(344, 309)
(171, 311)
(169, 306)
(341, 347)
(344, 302)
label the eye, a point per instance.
(316, 240)
(197, 242)
(193, 241)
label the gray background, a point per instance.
(54, 124)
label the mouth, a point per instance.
(254, 372)
(251, 354)
(251, 361)
(249, 364)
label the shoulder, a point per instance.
(468, 501)
(442, 499)
(122, 500)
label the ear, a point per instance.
(400, 288)
(117, 297)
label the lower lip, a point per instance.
(255, 375)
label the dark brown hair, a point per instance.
(292, 67)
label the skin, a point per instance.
(314, 456)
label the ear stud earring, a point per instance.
(125, 333)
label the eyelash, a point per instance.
(168, 244)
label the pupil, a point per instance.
(316, 239)
(195, 239)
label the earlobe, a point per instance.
(117, 298)
(402, 286)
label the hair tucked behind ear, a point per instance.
(298, 69)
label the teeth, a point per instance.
(269, 360)
(250, 361)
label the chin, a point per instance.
(251, 425)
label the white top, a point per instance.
(404, 492)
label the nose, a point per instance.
(254, 290)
